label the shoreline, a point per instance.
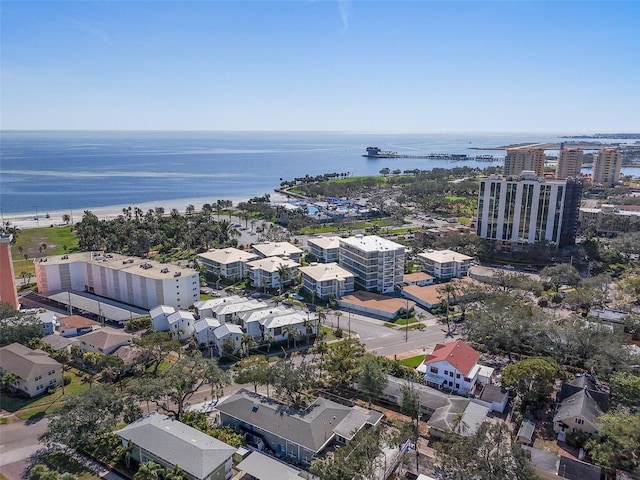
(27, 220)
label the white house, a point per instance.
(265, 272)
(250, 320)
(48, 320)
(227, 331)
(159, 316)
(327, 279)
(226, 262)
(181, 324)
(278, 249)
(204, 329)
(276, 325)
(105, 340)
(35, 369)
(325, 249)
(452, 366)
(204, 308)
(445, 264)
(228, 312)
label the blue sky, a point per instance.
(393, 66)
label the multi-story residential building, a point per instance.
(325, 249)
(610, 219)
(528, 209)
(606, 166)
(136, 281)
(569, 163)
(105, 340)
(169, 443)
(378, 263)
(445, 264)
(278, 249)
(521, 159)
(452, 366)
(266, 272)
(327, 279)
(35, 370)
(8, 292)
(226, 262)
(299, 435)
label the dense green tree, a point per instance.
(489, 454)
(561, 274)
(157, 346)
(200, 421)
(253, 369)
(341, 363)
(532, 379)
(293, 382)
(87, 418)
(16, 326)
(372, 378)
(625, 389)
(618, 443)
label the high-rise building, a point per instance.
(8, 293)
(569, 163)
(378, 263)
(519, 160)
(528, 210)
(606, 166)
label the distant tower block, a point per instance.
(519, 160)
(606, 167)
(569, 163)
(8, 293)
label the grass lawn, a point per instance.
(412, 362)
(27, 408)
(61, 462)
(404, 321)
(30, 240)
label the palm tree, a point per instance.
(283, 275)
(148, 471)
(175, 473)
(10, 381)
(338, 314)
(291, 331)
(247, 342)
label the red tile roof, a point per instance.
(458, 354)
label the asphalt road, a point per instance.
(18, 441)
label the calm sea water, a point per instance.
(62, 170)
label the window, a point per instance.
(457, 375)
(467, 379)
(457, 385)
(451, 374)
(451, 384)
(446, 372)
(433, 369)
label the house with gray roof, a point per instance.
(580, 408)
(168, 442)
(300, 435)
(259, 466)
(35, 370)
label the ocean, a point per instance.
(56, 171)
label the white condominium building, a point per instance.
(569, 163)
(278, 249)
(326, 279)
(528, 210)
(136, 281)
(378, 263)
(226, 262)
(325, 249)
(606, 166)
(445, 264)
(521, 159)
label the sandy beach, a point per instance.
(27, 220)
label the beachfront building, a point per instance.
(226, 262)
(445, 264)
(166, 441)
(34, 370)
(272, 272)
(528, 209)
(377, 263)
(278, 249)
(299, 435)
(136, 281)
(8, 292)
(327, 279)
(325, 249)
(569, 163)
(519, 160)
(606, 166)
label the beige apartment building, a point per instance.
(569, 163)
(606, 166)
(521, 159)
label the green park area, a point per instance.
(36, 242)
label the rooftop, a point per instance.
(227, 255)
(178, 444)
(276, 249)
(377, 301)
(325, 243)
(326, 271)
(371, 243)
(444, 256)
(23, 361)
(458, 354)
(106, 338)
(272, 264)
(133, 265)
